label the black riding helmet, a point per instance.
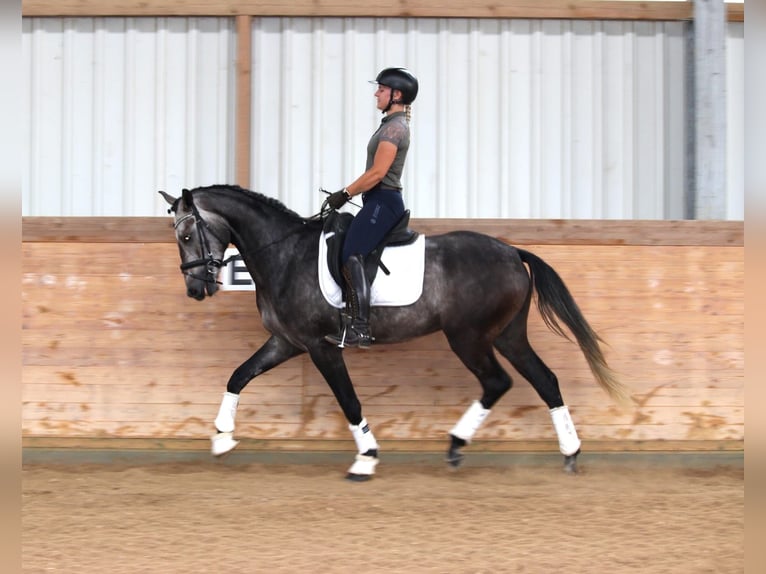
(399, 79)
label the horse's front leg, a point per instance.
(273, 352)
(329, 361)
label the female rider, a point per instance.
(381, 189)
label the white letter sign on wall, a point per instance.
(234, 276)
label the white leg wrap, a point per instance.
(224, 422)
(222, 443)
(364, 465)
(364, 438)
(470, 422)
(569, 443)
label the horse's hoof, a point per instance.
(454, 459)
(570, 463)
(222, 443)
(363, 467)
(358, 477)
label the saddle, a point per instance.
(336, 226)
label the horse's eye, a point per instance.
(187, 237)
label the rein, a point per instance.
(280, 240)
(211, 263)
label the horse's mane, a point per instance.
(255, 197)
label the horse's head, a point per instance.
(201, 243)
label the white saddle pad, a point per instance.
(403, 287)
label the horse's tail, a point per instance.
(555, 301)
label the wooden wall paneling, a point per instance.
(112, 347)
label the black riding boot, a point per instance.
(356, 331)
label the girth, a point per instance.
(338, 223)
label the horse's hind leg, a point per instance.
(480, 359)
(514, 346)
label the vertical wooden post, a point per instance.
(709, 116)
(242, 118)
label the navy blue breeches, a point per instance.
(381, 210)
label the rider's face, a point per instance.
(383, 96)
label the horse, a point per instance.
(476, 290)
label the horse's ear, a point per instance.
(187, 197)
(169, 198)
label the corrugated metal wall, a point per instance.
(515, 118)
(121, 107)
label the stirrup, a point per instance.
(360, 337)
(349, 336)
(339, 340)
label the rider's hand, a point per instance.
(338, 199)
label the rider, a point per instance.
(381, 189)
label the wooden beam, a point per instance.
(514, 231)
(244, 100)
(558, 9)
(735, 12)
(572, 9)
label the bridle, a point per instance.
(212, 264)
